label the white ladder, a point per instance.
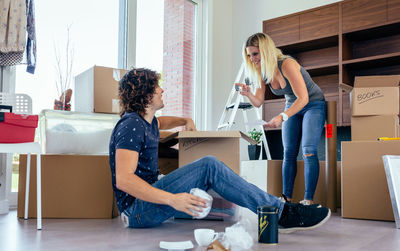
(232, 108)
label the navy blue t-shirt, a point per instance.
(134, 133)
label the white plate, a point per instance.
(176, 245)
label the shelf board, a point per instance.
(324, 69)
(272, 129)
(277, 100)
(310, 44)
(280, 128)
(378, 60)
(387, 29)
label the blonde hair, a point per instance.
(269, 54)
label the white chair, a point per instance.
(22, 104)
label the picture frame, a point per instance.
(392, 170)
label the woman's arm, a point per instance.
(127, 181)
(291, 70)
(169, 122)
(256, 99)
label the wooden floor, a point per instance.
(75, 234)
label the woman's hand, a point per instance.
(190, 126)
(275, 122)
(244, 89)
(186, 202)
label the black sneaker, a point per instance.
(307, 203)
(299, 217)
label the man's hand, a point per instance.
(190, 126)
(274, 122)
(186, 202)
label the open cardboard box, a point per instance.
(374, 95)
(224, 145)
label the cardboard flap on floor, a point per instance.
(375, 95)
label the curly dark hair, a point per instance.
(136, 89)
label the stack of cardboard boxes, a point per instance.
(76, 185)
(375, 110)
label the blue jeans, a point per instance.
(305, 126)
(205, 173)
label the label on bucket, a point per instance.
(263, 224)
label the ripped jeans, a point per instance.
(306, 127)
(205, 173)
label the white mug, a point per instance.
(204, 236)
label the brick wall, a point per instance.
(178, 60)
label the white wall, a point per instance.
(231, 22)
(220, 75)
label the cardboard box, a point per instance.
(375, 95)
(222, 144)
(365, 193)
(374, 127)
(96, 90)
(267, 175)
(167, 165)
(73, 186)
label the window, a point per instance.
(93, 30)
(167, 40)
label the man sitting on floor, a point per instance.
(145, 201)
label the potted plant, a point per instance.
(254, 150)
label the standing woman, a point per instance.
(305, 111)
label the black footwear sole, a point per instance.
(294, 229)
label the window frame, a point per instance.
(200, 78)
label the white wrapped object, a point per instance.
(64, 132)
(237, 238)
(204, 195)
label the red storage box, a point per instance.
(17, 128)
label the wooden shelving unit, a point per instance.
(337, 42)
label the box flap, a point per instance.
(216, 134)
(209, 134)
(247, 137)
(165, 138)
(164, 134)
(345, 87)
(381, 81)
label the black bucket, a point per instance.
(267, 225)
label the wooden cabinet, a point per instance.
(322, 22)
(366, 41)
(363, 14)
(393, 10)
(373, 51)
(283, 30)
